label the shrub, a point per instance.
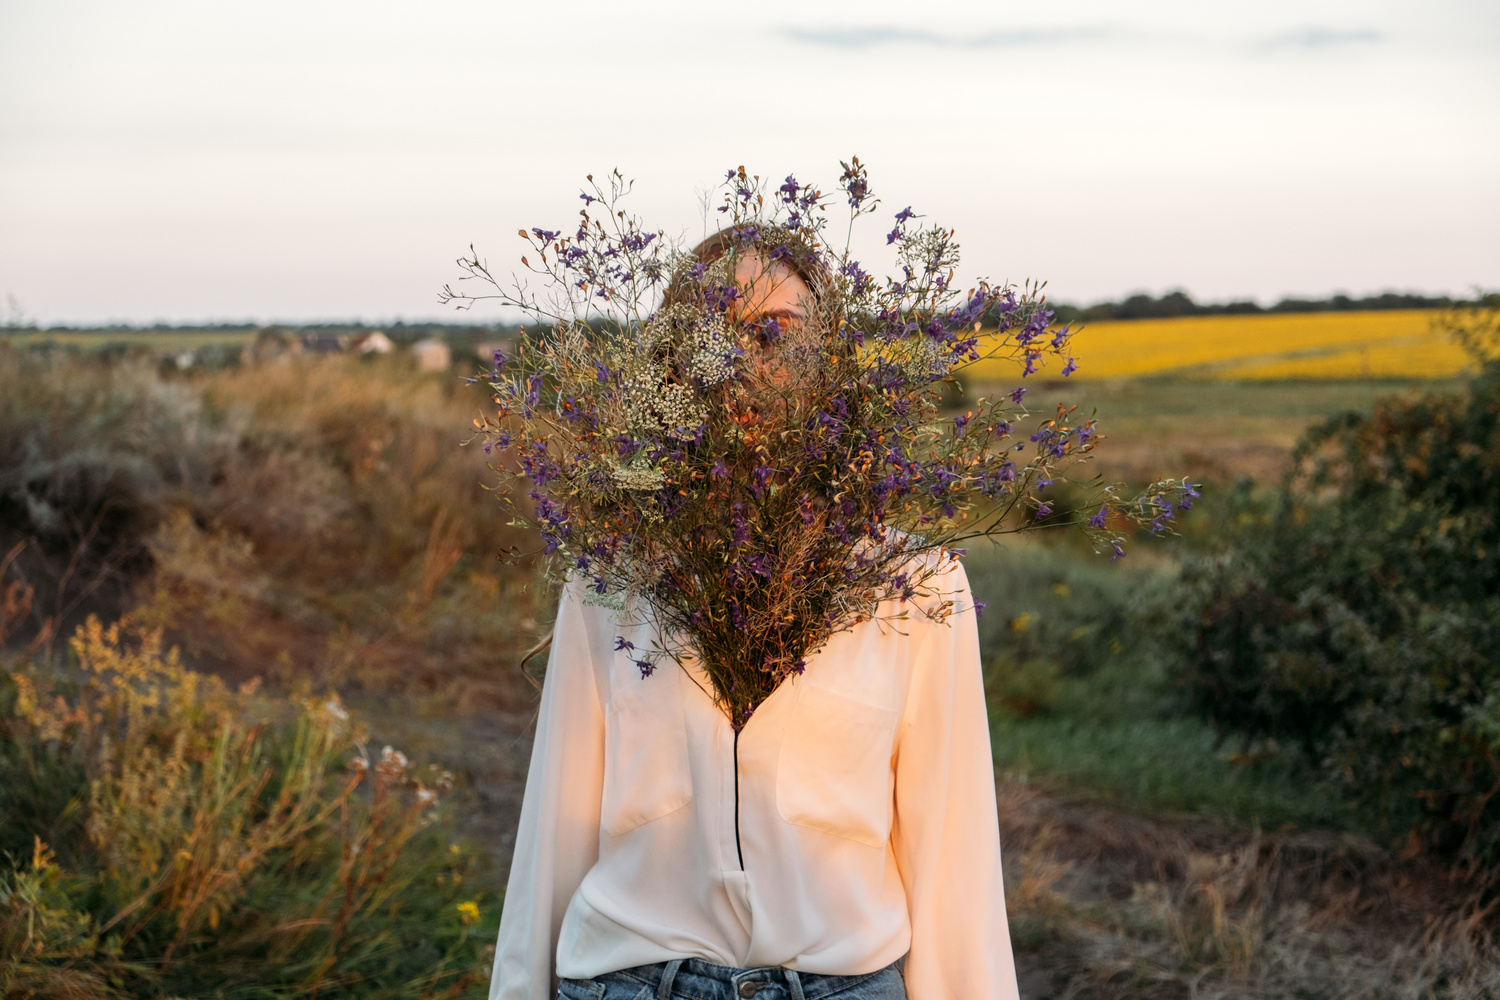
(91, 454)
(278, 503)
(163, 834)
(1358, 614)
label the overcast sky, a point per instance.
(302, 160)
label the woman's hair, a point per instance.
(800, 259)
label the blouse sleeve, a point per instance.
(557, 841)
(946, 834)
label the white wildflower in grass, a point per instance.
(640, 474)
(389, 755)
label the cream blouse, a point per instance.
(865, 799)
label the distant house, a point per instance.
(432, 355)
(374, 342)
(321, 343)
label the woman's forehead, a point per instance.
(752, 267)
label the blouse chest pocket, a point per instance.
(834, 774)
(646, 773)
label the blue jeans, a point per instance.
(692, 979)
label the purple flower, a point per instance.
(647, 668)
(769, 329)
(979, 607)
(859, 276)
(805, 508)
(854, 182)
(959, 423)
(759, 478)
(1097, 521)
(545, 235)
(1015, 397)
(499, 358)
(622, 643)
(1070, 367)
(1119, 550)
(1044, 509)
(588, 199)
(719, 469)
(601, 371)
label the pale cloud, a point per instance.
(856, 37)
(1322, 38)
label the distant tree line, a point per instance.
(1179, 303)
(1139, 306)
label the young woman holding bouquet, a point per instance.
(843, 842)
(762, 763)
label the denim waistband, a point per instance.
(695, 979)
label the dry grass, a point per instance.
(1400, 344)
(1112, 905)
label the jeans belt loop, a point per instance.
(795, 982)
(664, 992)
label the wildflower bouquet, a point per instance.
(762, 478)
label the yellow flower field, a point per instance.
(1331, 345)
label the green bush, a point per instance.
(1080, 696)
(163, 835)
(1357, 614)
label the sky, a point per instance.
(304, 160)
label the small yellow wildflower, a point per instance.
(468, 912)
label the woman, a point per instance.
(844, 842)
